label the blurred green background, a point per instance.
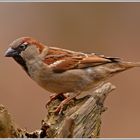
(112, 29)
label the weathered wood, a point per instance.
(8, 129)
(81, 118)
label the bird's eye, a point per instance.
(23, 46)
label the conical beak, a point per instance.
(11, 52)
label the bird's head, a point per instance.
(25, 47)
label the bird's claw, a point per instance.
(53, 97)
(59, 109)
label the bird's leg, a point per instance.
(65, 101)
(55, 96)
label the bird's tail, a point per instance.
(119, 66)
(130, 64)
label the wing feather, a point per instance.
(61, 60)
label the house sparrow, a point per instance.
(63, 71)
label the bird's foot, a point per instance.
(64, 98)
(55, 96)
(60, 107)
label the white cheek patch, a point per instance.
(31, 48)
(29, 53)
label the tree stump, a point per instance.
(80, 118)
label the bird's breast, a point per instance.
(68, 81)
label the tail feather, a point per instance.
(131, 64)
(119, 66)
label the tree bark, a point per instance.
(80, 118)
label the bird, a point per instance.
(61, 71)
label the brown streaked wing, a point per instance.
(61, 60)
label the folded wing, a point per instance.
(62, 60)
